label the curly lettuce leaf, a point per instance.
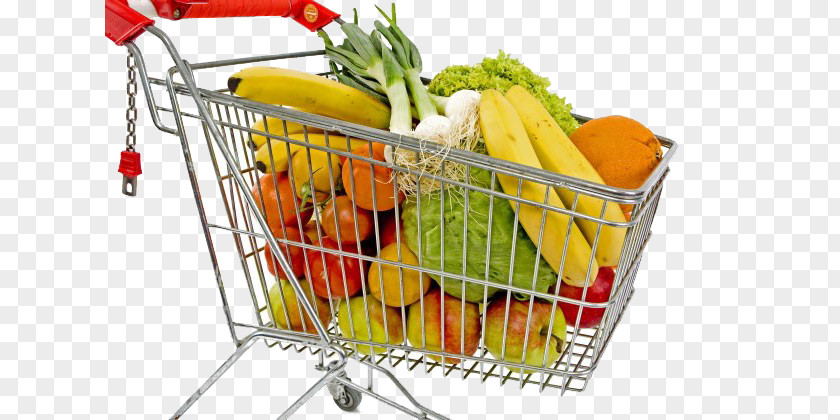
(501, 73)
(478, 218)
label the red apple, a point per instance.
(382, 325)
(598, 292)
(537, 334)
(430, 314)
(285, 305)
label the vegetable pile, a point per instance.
(422, 233)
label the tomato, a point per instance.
(348, 216)
(278, 209)
(360, 180)
(325, 172)
(294, 254)
(327, 281)
(311, 232)
(388, 230)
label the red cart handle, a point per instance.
(306, 12)
(123, 23)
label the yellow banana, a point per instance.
(276, 152)
(281, 155)
(275, 128)
(558, 154)
(506, 138)
(310, 93)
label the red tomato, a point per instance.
(271, 205)
(327, 281)
(388, 230)
(294, 254)
(383, 182)
(311, 232)
(349, 216)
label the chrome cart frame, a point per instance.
(227, 124)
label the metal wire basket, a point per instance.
(227, 123)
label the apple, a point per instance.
(384, 279)
(598, 292)
(429, 313)
(515, 340)
(298, 318)
(354, 309)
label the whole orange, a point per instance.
(622, 150)
(386, 284)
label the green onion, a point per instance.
(409, 58)
(365, 57)
(348, 78)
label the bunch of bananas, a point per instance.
(313, 94)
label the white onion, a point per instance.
(461, 103)
(435, 128)
(388, 151)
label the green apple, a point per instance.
(429, 313)
(538, 333)
(297, 316)
(354, 308)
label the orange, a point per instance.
(622, 150)
(413, 284)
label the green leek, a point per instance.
(366, 57)
(409, 58)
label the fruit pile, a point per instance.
(355, 203)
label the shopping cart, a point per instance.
(228, 122)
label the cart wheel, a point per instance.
(347, 399)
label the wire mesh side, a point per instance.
(310, 151)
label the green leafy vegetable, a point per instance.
(478, 218)
(501, 73)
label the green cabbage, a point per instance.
(501, 73)
(477, 229)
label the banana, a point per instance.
(277, 149)
(506, 138)
(275, 128)
(274, 151)
(558, 154)
(310, 93)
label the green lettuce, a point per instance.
(502, 236)
(501, 73)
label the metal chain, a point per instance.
(131, 112)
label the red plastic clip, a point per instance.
(175, 9)
(313, 16)
(122, 23)
(130, 169)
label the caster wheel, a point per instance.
(347, 399)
